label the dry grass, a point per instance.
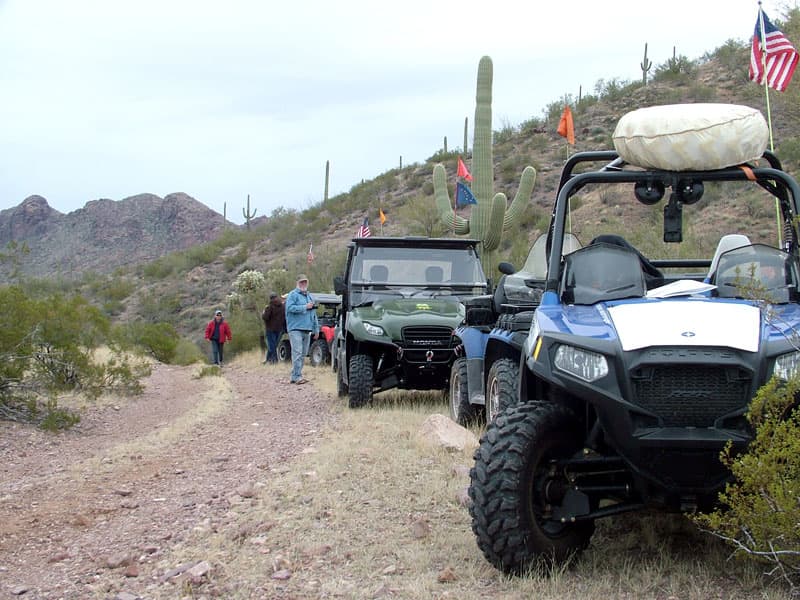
(371, 511)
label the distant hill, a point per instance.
(139, 233)
(106, 234)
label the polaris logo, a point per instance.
(688, 334)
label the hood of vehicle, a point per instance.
(650, 323)
(394, 314)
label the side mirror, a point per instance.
(506, 268)
(339, 285)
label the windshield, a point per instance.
(379, 272)
(601, 272)
(756, 271)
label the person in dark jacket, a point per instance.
(218, 332)
(274, 317)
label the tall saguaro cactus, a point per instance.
(645, 65)
(327, 178)
(247, 214)
(466, 121)
(491, 215)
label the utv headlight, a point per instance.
(373, 329)
(583, 364)
(787, 365)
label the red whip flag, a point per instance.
(462, 170)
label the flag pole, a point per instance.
(455, 199)
(763, 46)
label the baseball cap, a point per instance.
(302, 277)
(219, 312)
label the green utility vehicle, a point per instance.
(402, 299)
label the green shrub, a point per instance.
(760, 509)
(210, 371)
(187, 353)
(47, 348)
(158, 340)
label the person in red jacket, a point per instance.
(218, 332)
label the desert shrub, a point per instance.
(760, 509)
(422, 217)
(47, 348)
(209, 371)
(614, 90)
(505, 133)
(237, 258)
(676, 69)
(158, 340)
(187, 353)
(789, 151)
(246, 329)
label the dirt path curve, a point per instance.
(89, 512)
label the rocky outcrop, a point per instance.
(105, 234)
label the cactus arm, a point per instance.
(454, 222)
(495, 232)
(526, 183)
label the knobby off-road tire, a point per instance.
(284, 351)
(318, 352)
(461, 411)
(501, 387)
(508, 484)
(360, 380)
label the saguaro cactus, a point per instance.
(246, 213)
(491, 215)
(645, 65)
(327, 177)
(466, 121)
(224, 215)
(445, 144)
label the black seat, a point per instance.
(653, 276)
(434, 274)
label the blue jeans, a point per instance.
(272, 346)
(300, 340)
(216, 352)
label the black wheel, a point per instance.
(341, 386)
(284, 351)
(501, 387)
(360, 380)
(318, 352)
(461, 411)
(514, 489)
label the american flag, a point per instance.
(364, 231)
(776, 53)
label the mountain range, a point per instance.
(105, 234)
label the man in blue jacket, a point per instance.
(301, 323)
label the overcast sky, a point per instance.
(108, 99)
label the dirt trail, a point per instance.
(90, 512)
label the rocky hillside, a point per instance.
(183, 288)
(105, 234)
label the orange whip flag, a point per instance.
(382, 216)
(566, 128)
(462, 170)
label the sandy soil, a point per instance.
(90, 512)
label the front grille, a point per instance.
(690, 395)
(427, 337)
